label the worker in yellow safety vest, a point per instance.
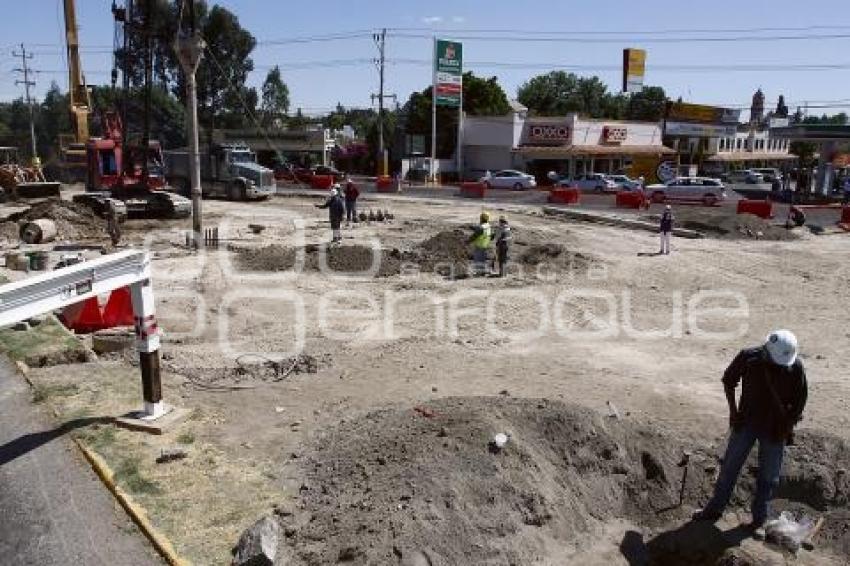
(481, 239)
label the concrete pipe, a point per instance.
(38, 231)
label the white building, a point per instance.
(749, 147)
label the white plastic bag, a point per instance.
(788, 532)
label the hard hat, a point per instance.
(503, 220)
(668, 207)
(781, 346)
(485, 217)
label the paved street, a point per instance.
(54, 509)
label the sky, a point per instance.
(523, 38)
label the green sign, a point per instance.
(448, 73)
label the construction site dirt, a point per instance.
(600, 361)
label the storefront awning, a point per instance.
(736, 157)
(567, 151)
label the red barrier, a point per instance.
(322, 181)
(119, 309)
(760, 208)
(845, 215)
(629, 199)
(83, 317)
(385, 184)
(473, 190)
(565, 195)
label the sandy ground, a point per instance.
(627, 328)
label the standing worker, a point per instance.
(113, 226)
(336, 210)
(665, 228)
(481, 238)
(351, 194)
(846, 199)
(773, 396)
(503, 244)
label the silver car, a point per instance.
(509, 179)
(689, 189)
(598, 182)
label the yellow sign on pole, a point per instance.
(634, 68)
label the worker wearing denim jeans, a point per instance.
(773, 396)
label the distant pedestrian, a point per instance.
(481, 239)
(846, 199)
(665, 228)
(113, 222)
(351, 194)
(503, 245)
(336, 210)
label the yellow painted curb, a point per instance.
(136, 512)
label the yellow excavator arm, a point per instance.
(78, 93)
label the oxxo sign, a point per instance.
(551, 133)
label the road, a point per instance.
(54, 509)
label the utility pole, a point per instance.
(190, 47)
(380, 41)
(25, 70)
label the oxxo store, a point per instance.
(570, 146)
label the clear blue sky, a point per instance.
(38, 23)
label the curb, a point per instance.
(611, 220)
(137, 513)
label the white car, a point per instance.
(689, 189)
(745, 176)
(598, 182)
(625, 183)
(509, 179)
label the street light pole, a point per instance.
(190, 47)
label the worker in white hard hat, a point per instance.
(773, 396)
(336, 211)
(665, 229)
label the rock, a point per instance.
(20, 326)
(35, 321)
(258, 544)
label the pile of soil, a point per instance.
(726, 225)
(73, 221)
(250, 371)
(427, 486)
(353, 259)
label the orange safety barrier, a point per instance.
(322, 181)
(629, 199)
(119, 309)
(473, 190)
(760, 208)
(565, 195)
(385, 184)
(83, 317)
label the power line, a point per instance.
(620, 32)
(537, 38)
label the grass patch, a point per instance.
(42, 393)
(128, 475)
(46, 344)
(186, 438)
(100, 437)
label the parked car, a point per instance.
(598, 182)
(509, 179)
(745, 176)
(770, 174)
(325, 170)
(689, 189)
(624, 182)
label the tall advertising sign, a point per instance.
(448, 73)
(634, 67)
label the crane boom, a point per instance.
(78, 93)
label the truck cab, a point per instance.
(235, 166)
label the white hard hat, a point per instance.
(781, 346)
(668, 207)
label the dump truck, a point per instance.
(227, 170)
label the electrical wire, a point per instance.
(633, 40)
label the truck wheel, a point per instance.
(243, 193)
(232, 192)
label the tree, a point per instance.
(275, 102)
(781, 108)
(647, 105)
(53, 120)
(559, 93)
(484, 97)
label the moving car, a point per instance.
(745, 176)
(624, 182)
(592, 182)
(689, 189)
(509, 179)
(770, 174)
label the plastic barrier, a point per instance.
(473, 190)
(629, 199)
(565, 195)
(322, 181)
(83, 317)
(386, 184)
(760, 208)
(119, 309)
(845, 215)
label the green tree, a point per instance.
(168, 120)
(552, 94)
(275, 104)
(647, 105)
(53, 120)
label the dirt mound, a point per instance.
(353, 259)
(727, 225)
(427, 482)
(73, 221)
